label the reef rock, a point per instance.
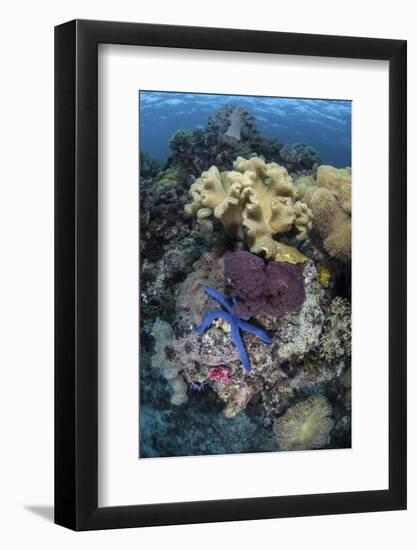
(336, 340)
(293, 336)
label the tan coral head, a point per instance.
(254, 203)
(329, 198)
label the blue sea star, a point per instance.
(236, 325)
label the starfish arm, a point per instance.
(210, 317)
(238, 342)
(219, 298)
(235, 300)
(258, 332)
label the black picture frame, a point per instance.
(76, 271)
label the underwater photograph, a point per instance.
(245, 274)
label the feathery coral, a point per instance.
(336, 340)
(306, 425)
(254, 203)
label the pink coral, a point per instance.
(275, 288)
(221, 375)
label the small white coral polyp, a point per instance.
(253, 202)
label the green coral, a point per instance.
(306, 425)
(336, 339)
(168, 178)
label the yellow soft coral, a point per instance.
(253, 202)
(162, 332)
(324, 277)
(329, 198)
(219, 195)
(306, 425)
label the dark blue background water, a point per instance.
(323, 124)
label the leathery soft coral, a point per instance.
(254, 203)
(329, 198)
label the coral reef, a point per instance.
(274, 288)
(230, 116)
(200, 429)
(179, 391)
(253, 202)
(248, 320)
(162, 332)
(236, 325)
(336, 340)
(306, 425)
(299, 157)
(169, 246)
(220, 375)
(324, 276)
(278, 365)
(149, 166)
(236, 123)
(229, 133)
(167, 179)
(189, 152)
(347, 383)
(237, 400)
(329, 198)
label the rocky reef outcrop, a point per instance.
(278, 366)
(231, 132)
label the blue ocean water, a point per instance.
(324, 124)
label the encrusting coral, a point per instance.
(274, 288)
(254, 203)
(336, 340)
(306, 425)
(329, 198)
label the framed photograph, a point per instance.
(230, 247)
